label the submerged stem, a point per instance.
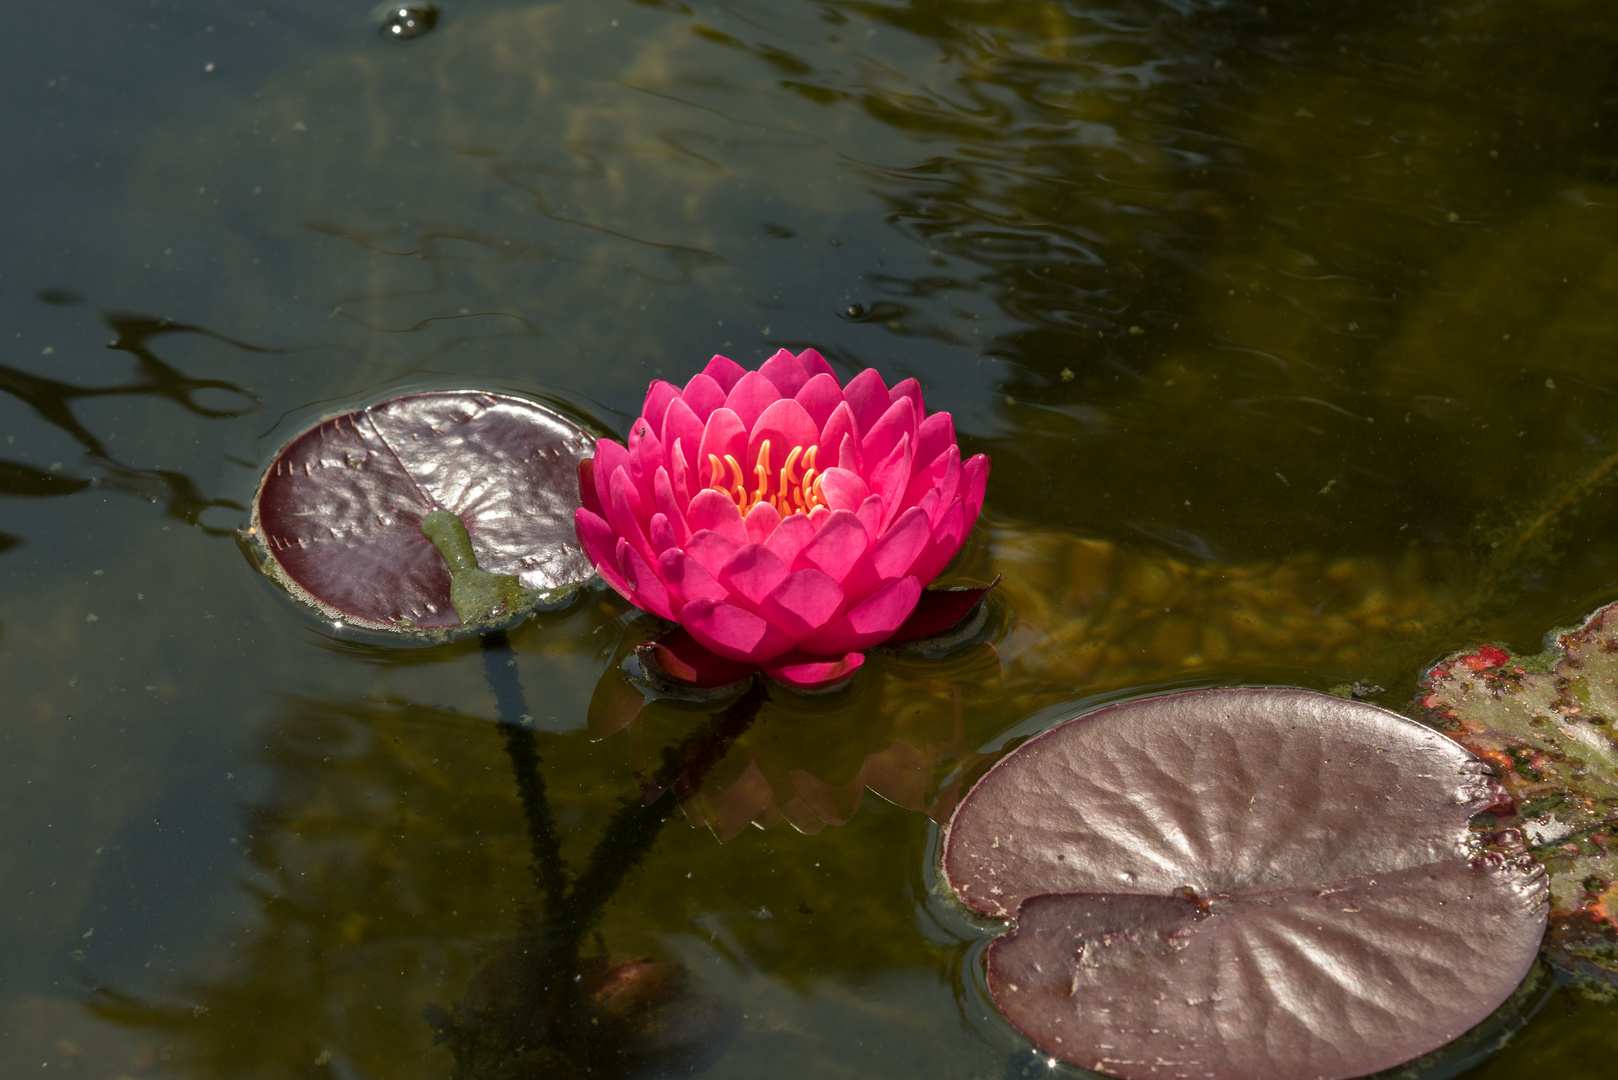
(634, 827)
(547, 868)
(541, 1011)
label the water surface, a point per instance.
(1289, 330)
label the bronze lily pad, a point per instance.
(339, 511)
(1244, 884)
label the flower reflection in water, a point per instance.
(897, 729)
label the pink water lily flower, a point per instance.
(785, 521)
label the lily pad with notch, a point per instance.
(427, 513)
(1247, 883)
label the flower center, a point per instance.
(786, 490)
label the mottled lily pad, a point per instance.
(1546, 724)
(1244, 884)
(339, 511)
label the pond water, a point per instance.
(1290, 331)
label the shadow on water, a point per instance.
(52, 400)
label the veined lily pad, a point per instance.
(339, 512)
(1546, 723)
(1244, 884)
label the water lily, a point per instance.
(785, 521)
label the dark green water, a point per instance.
(1292, 332)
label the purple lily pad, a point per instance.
(1244, 884)
(339, 510)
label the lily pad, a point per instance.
(1244, 883)
(1546, 724)
(339, 512)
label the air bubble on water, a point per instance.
(401, 21)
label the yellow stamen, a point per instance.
(787, 477)
(762, 471)
(785, 490)
(738, 490)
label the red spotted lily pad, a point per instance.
(1244, 885)
(1547, 724)
(339, 512)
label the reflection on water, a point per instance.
(898, 730)
(1287, 328)
(52, 400)
(389, 849)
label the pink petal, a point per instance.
(840, 541)
(734, 632)
(843, 490)
(934, 435)
(933, 505)
(789, 538)
(610, 457)
(820, 397)
(750, 397)
(894, 553)
(897, 551)
(891, 478)
(688, 577)
(803, 671)
(942, 475)
(815, 364)
(818, 518)
(680, 425)
(703, 395)
(785, 372)
(974, 479)
(870, 515)
(761, 522)
(724, 434)
(840, 428)
(588, 495)
(867, 395)
(911, 389)
(896, 423)
(625, 512)
(668, 504)
(682, 658)
(948, 535)
(803, 603)
(650, 594)
(661, 534)
(658, 397)
(724, 371)
(785, 424)
(949, 484)
(714, 510)
(872, 622)
(711, 550)
(645, 456)
(752, 573)
(683, 478)
(938, 610)
(849, 456)
(600, 546)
